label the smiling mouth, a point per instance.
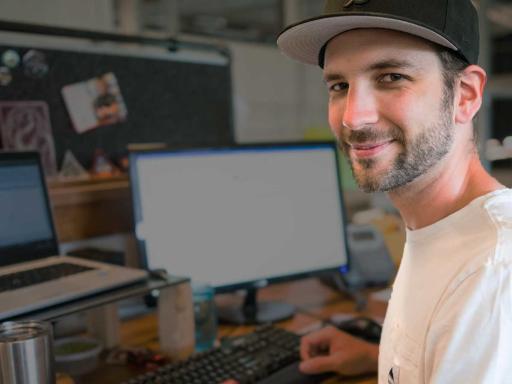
(369, 146)
(369, 149)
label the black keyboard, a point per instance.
(29, 277)
(269, 355)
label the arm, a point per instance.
(469, 338)
(330, 350)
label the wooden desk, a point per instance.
(313, 300)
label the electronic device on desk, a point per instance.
(370, 264)
(370, 261)
(241, 217)
(269, 355)
(359, 326)
(33, 275)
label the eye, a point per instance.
(338, 87)
(391, 78)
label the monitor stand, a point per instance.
(254, 312)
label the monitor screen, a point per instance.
(26, 228)
(242, 215)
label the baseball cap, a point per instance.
(450, 23)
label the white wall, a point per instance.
(274, 97)
(85, 14)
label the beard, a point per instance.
(419, 153)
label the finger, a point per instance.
(309, 351)
(307, 348)
(324, 334)
(316, 340)
(304, 351)
(320, 364)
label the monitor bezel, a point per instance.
(256, 283)
(27, 252)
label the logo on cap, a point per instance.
(356, 2)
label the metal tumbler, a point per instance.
(26, 354)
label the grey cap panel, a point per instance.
(303, 42)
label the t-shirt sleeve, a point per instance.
(470, 337)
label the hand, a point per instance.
(331, 350)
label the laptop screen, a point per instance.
(26, 228)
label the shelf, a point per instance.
(504, 176)
(107, 297)
(500, 86)
(88, 209)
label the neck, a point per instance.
(448, 187)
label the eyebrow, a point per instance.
(378, 66)
(392, 63)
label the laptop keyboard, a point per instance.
(39, 275)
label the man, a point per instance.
(404, 88)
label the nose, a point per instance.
(360, 109)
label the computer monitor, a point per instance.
(241, 217)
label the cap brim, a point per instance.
(304, 41)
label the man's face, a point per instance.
(388, 107)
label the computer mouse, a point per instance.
(363, 327)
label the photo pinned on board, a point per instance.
(95, 102)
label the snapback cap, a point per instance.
(450, 23)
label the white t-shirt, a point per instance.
(449, 319)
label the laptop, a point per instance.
(32, 274)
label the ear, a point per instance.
(471, 89)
